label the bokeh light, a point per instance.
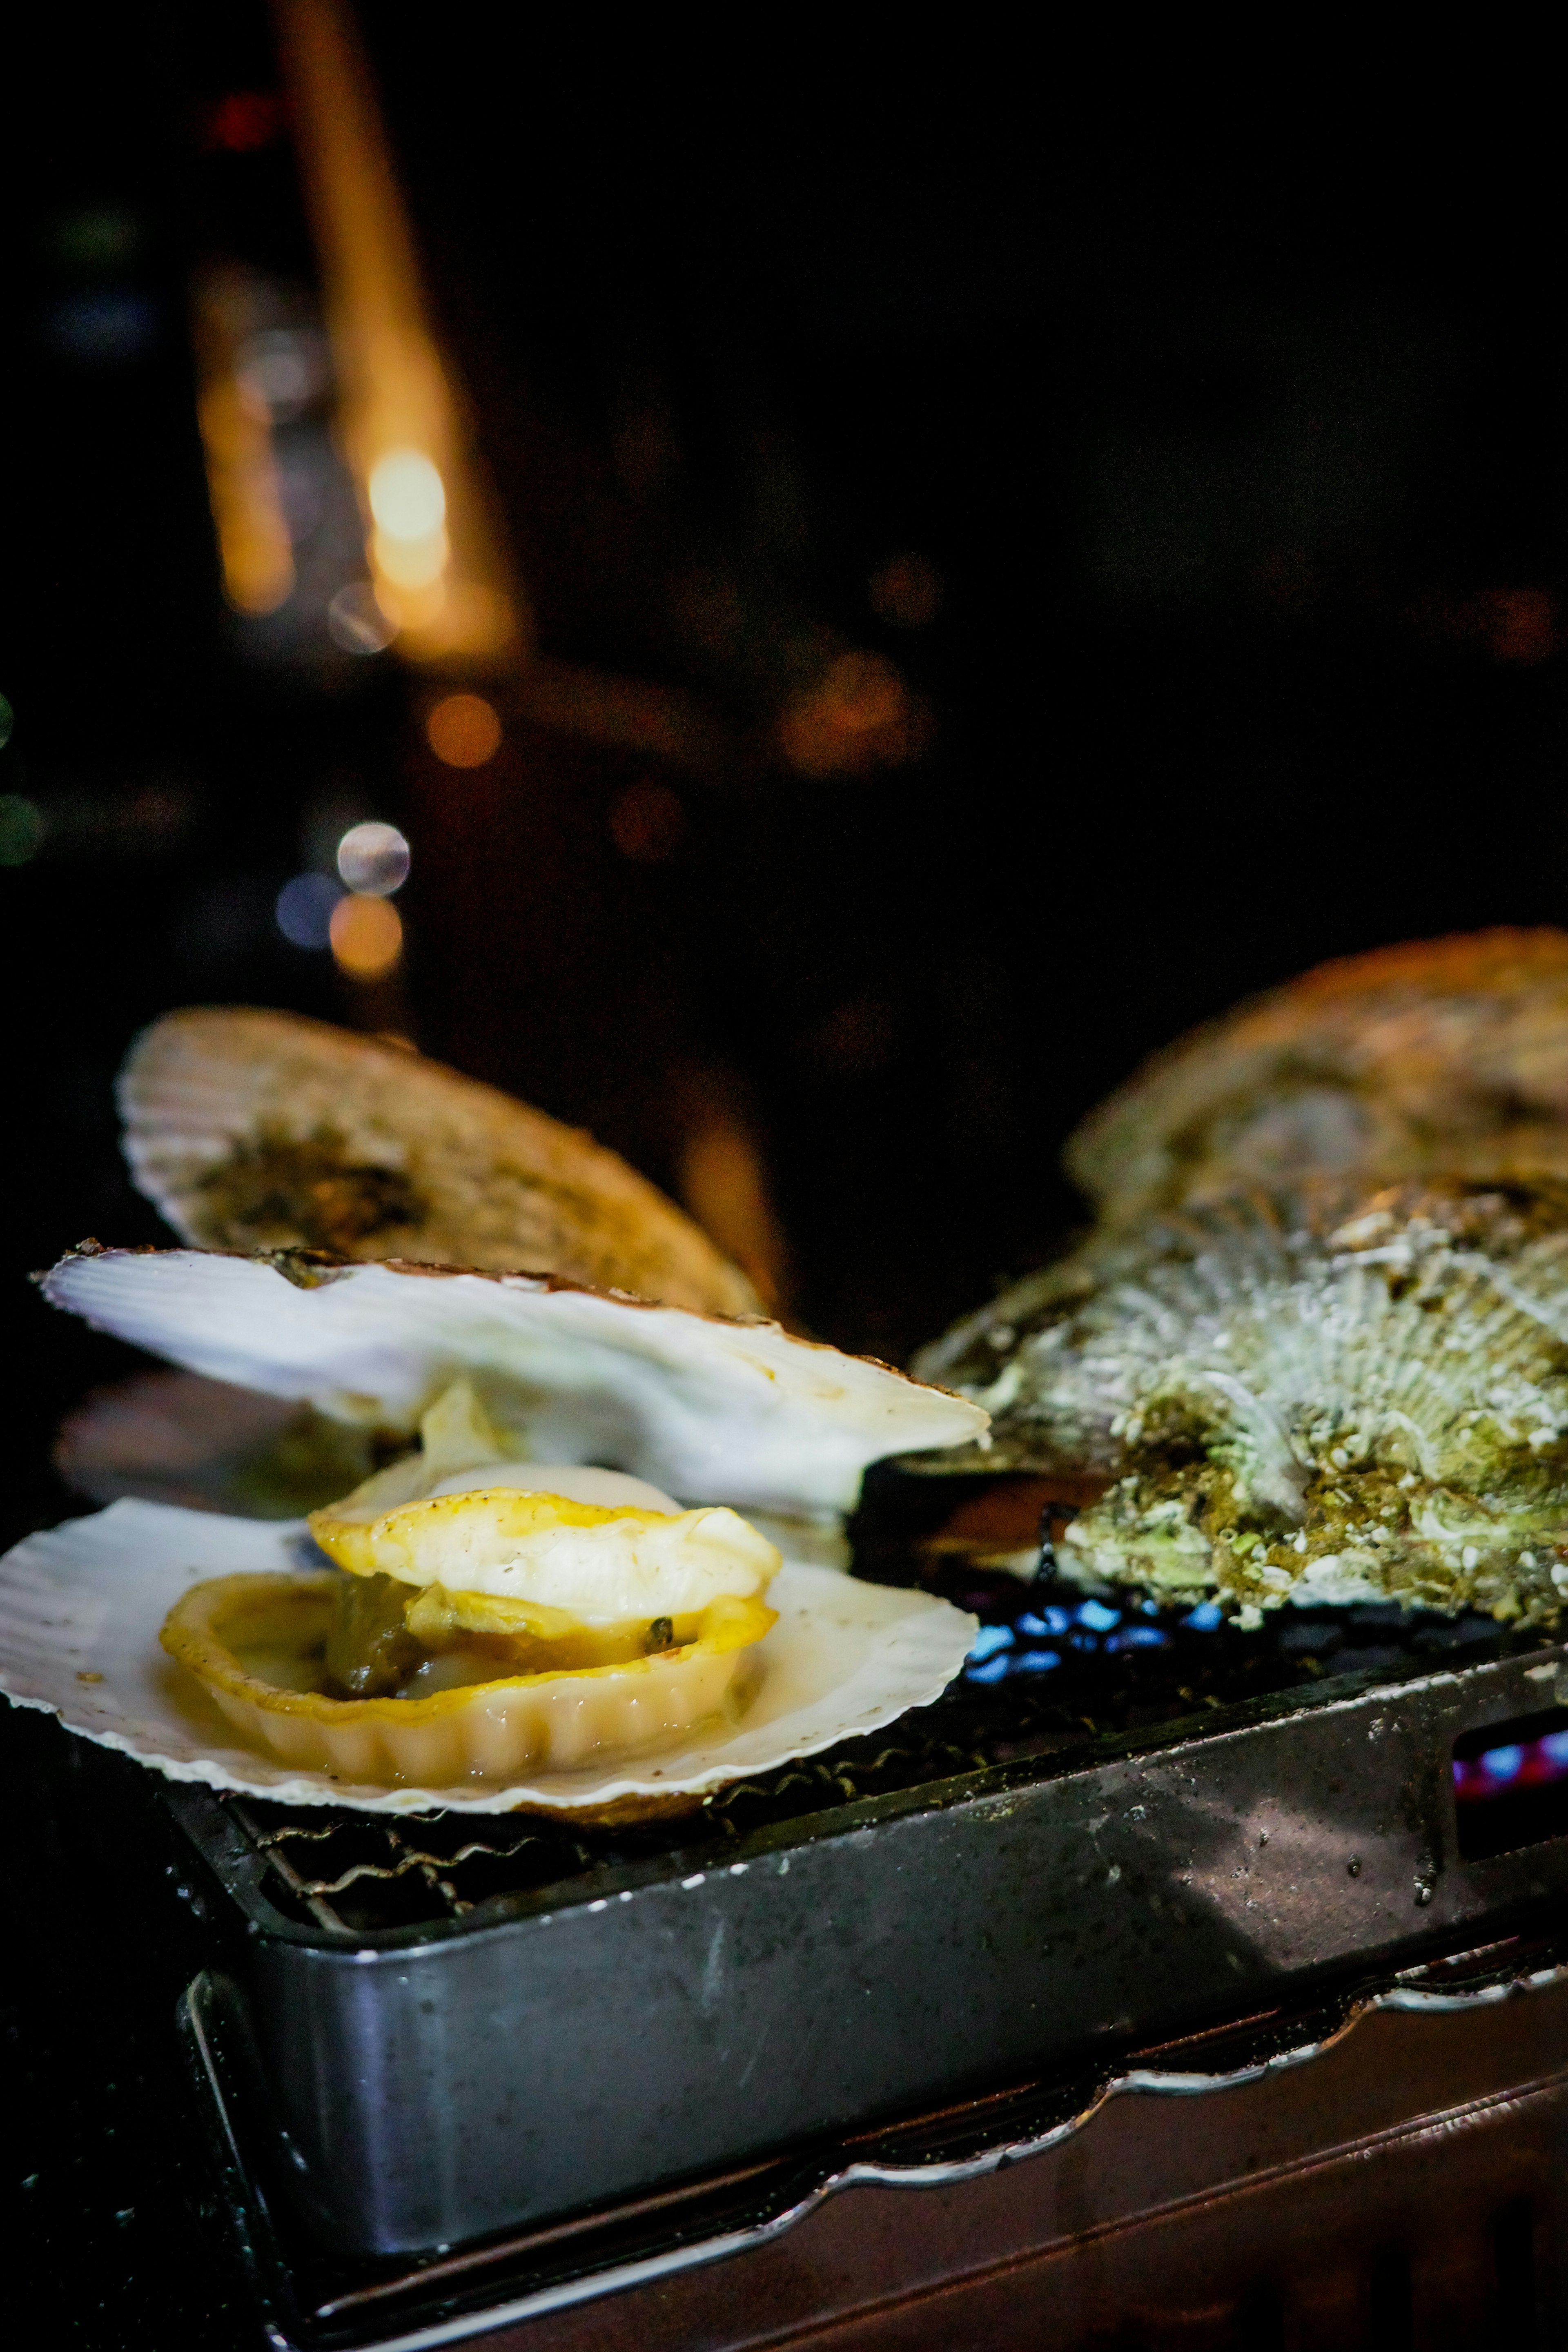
(647, 823)
(463, 731)
(906, 591)
(282, 370)
(407, 497)
(1520, 625)
(860, 715)
(304, 909)
(410, 562)
(356, 622)
(367, 937)
(246, 492)
(21, 829)
(373, 859)
(244, 121)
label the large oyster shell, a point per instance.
(1438, 1057)
(712, 1409)
(1328, 1397)
(80, 1607)
(252, 1130)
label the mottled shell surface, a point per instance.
(1440, 1056)
(263, 1130)
(1325, 1398)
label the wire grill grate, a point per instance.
(1049, 1673)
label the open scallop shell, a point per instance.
(79, 1607)
(1326, 1399)
(708, 1409)
(1439, 1056)
(252, 1130)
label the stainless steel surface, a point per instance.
(1264, 2118)
(647, 2019)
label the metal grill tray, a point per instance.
(462, 2034)
(1370, 2071)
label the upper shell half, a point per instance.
(1323, 1397)
(710, 1408)
(1438, 1057)
(253, 1129)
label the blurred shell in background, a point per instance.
(1326, 1399)
(1438, 1057)
(263, 1130)
(175, 1437)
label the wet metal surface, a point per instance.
(1246, 2135)
(645, 2016)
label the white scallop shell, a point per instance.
(254, 1130)
(80, 1605)
(709, 1409)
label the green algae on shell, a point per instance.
(1309, 1398)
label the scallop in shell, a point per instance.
(1326, 1399)
(721, 1412)
(80, 1606)
(254, 1130)
(1437, 1056)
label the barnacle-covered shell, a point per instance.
(252, 1130)
(1321, 1399)
(1439, 1056)
(709, 1409)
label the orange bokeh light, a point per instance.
(907, 592)
(647, 823)
(1520, 625)
(859, 716)
(464, 730)
(366, 936)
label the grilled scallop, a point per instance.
(1326, 1397)
(520, 1607)
(496, 1616)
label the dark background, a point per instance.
(1235, 442)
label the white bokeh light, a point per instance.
(407, 497)
(373, 859)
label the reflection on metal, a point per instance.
(1347, 2104)
(438, 570)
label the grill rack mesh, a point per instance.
(350, 1874)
